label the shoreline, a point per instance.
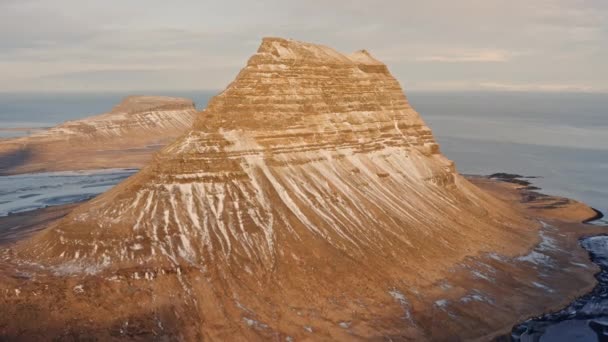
(598, 216)
(540, 325)
(27, 192)
(566, 252)
(506, 334)
(542, 322)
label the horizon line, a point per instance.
(159, 92)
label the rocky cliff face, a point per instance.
(124, 137)
(308, 196)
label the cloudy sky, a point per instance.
(148, 45)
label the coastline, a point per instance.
(472, 302)
(482, 293)
(582, 231)
(598, 216)
(564, 311)
(583, 316)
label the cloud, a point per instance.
(483, 56)
(63, 44)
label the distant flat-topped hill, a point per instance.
(124, 137)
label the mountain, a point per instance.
(124, 137)
(309, 199)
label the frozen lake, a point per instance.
(38, 190)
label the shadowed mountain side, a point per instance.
(13, 158)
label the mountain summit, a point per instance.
(308, 193)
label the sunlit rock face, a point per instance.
(308, 193)
(126, 136)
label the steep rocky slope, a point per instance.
(309, 199)
(124, 137)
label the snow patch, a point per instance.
(441, 303)
(542, 286)
(254, 324)
(345, 325)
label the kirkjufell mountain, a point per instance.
(124, 137)
(308, 156)
(308, 201)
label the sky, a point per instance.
(431, 45)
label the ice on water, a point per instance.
(26, 192)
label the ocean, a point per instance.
(561, 138)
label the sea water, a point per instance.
(31, 191)
(561, 138)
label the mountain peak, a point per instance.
(281, 49)
(274, 49)
(364, 57)
(290, 80)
